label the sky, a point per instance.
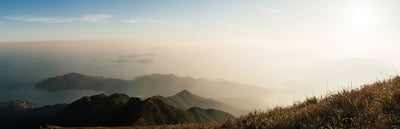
(304, 47)
(126, 20)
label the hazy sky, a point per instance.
(308, 45)
(308, 20)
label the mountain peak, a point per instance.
(73, 74)
(186, 100)
(185, 92)
(155, 99)
(114, 98)
(99, 96)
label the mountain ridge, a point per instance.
(122, 110)
(186, 100)
(160, 84)
(110, 110)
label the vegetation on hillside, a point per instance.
(104, 110)
(121, 110)
(185, 100)
(372, 106)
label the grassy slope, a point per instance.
(372, 106)
(186, 100)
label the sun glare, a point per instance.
(363, 17)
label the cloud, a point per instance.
(138, 55)
(139, 61)
(144, 61)
(131, 21)
(93, 18)
(120, 61)
(274, 11)
(95, 60)
(156, 21)
(156, 49)
(128, 56)
(43, 20)
(151, 20)
(86, 18)
(149, 54)
(144, 58)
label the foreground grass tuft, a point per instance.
(371, 106)
(374, 106)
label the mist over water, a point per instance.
(290, 75)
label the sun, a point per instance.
(363, 17)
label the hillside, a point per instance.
(121, 110)
(371, 106)
(186, 100)
(161, 84)
(104, 110)
(92, 110)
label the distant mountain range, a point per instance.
(183, 100)
(242, 96)
(112, 110)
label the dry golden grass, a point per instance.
(375, 106)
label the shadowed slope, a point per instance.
(120, 110)
(92, 110)
(186, 100)
(372, 106)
